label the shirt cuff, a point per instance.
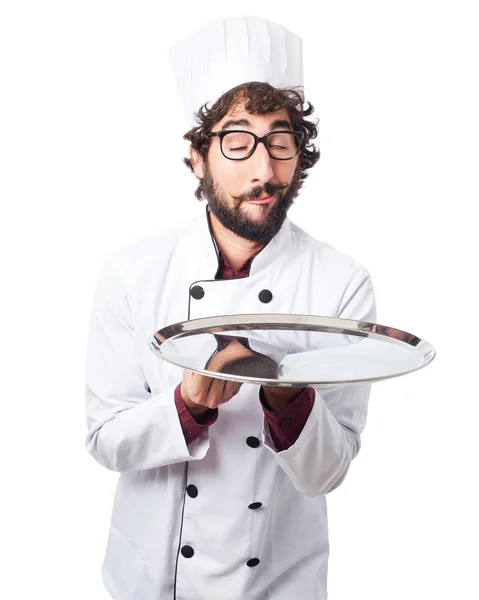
(286, 425)
(192, 429)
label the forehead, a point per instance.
(238, 113)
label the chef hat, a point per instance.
(227, 52)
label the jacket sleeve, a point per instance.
(320, 458)
(129, 429)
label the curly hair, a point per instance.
(259, 98)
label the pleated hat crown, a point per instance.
(227, 52)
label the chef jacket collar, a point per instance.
(262, 260)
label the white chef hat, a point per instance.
(227, 52)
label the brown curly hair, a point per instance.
(259, 98)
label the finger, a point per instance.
(227, 390)
(232, 388)
(199, 387)
(216, 393)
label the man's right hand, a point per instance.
(200, 393)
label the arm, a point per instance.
(318, 461)
(129, 429)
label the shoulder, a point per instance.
(325, 256)
(150, 244)
(135, 258)
(338, 275)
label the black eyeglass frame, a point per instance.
(221, 134)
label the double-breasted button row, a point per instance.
(197, 292)
(188, 552)
(253, 442)
(192, 492)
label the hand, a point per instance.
(200, 393)
(279, 397)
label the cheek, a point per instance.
(236, 178)
(284, 172)
(229, 175)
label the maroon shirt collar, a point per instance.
(225, 270)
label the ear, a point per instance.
(196, 162)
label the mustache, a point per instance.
(257, 192)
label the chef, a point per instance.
(222, 486)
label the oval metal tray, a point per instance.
(291, 350)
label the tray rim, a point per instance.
(253, 321)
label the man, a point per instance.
(222, 488)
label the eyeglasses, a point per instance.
(237, 144)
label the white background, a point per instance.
(91, 146)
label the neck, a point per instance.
(236, 249)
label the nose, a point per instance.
(261, 165)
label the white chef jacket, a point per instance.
(134, 427)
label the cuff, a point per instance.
(192, 429)
(286, 425)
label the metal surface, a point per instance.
(291, 350)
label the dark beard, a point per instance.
(239, 223)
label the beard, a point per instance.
(234, 219)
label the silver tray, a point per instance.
(291, 350)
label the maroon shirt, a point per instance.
(285, 425)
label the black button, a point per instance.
(192, 491)
(197, 292)
(265, 296)
(285, 422)
(187, 551)
(252, 441)
(253, 562)
(254, 505)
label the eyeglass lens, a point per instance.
(239, 145)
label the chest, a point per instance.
(181, 290)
